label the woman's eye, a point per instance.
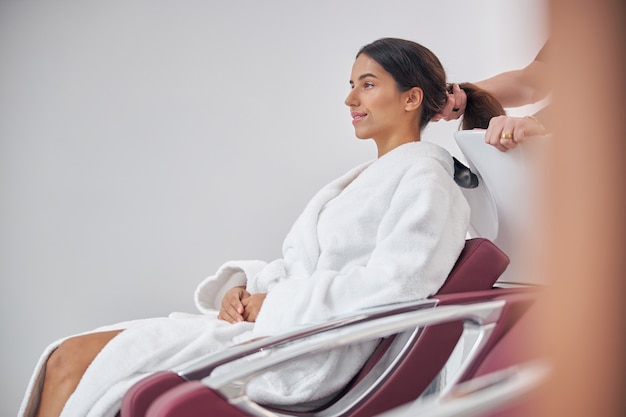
(368, 85)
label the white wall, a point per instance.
(143, 143)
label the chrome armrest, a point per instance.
(232, 385)
(203, 366)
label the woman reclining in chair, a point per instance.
(389, 230)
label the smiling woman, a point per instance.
(387, 231)
(392, 98)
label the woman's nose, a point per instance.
(351, 99)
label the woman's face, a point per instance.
(376, 104)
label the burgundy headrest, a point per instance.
(479, 266)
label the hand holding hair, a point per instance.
(455, 106)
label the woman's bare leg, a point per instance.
(65, 367)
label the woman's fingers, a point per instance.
(232, 308)
(252, 306)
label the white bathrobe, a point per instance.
(387, 231)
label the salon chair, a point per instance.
(410, 361)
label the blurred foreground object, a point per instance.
(584, 225)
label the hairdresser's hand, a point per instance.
(505, 132)
(252, 306)
(232, 309)
(455, 106)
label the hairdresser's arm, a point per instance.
(519, 87)
(511, 88)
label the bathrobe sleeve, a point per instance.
(419, 238)
(209, 293)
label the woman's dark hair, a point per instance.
(480, 107)
(413, 65)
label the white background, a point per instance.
(143, 143)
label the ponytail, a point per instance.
(481, 106)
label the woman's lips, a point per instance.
(357, 117)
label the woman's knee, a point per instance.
(70, 360)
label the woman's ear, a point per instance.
(414, 98)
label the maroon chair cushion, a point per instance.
(192, 399)
(139, 397)
(479, 266)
